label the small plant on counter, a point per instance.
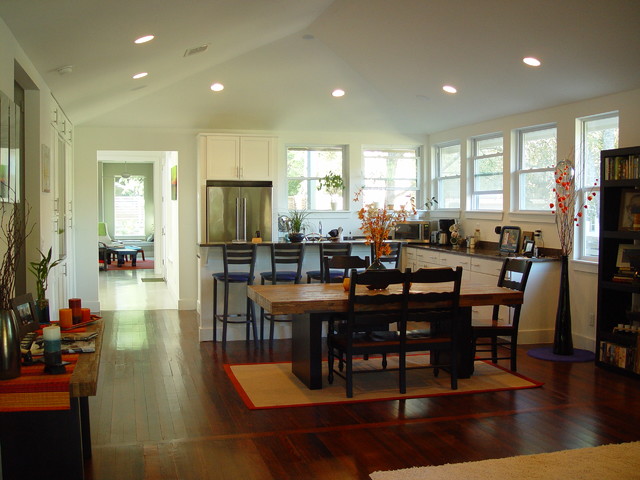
(332, 183)
(430, 203)
(41, 271)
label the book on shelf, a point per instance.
(622, 167)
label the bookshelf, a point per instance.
(618, 316)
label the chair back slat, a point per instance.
(288, 254)
(328, 250)
(239, 254)
(343, 262)
(393, 257)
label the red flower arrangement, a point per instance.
(564, 207)
(377, 223)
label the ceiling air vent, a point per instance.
(195, 50)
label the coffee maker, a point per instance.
(443, 225)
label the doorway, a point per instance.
(133, 187)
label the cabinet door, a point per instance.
(484, 272)
(409, 256)
(255, 158)
(428, 259)
(223, 157)
(453, 261)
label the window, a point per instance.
(486, 172)
(390, 176)
(447, 175)
(305, 167)
(128, 197)
(596, 133)
(536, 158)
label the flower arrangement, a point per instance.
(377, 223)
(564, 207)
(456, 235)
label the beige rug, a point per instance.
(609, 462)
(272, 385)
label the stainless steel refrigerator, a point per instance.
(236, 210)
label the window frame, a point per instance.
(438, 178)
(418, 152)
(473, 196)
(309, 178)
(519, 171)
(585, 187)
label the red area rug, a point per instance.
(140, 265)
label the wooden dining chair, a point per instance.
(433, 304)
(501, 330)
(328, 250)
(286, 267)
(393, 258)
(337, 268)
(366, 329)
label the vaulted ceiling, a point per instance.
(280, 59)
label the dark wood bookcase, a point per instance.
(618, 287)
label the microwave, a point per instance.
(417, 231)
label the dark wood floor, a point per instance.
(166, 410)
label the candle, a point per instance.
(75, 305)
(66, 318)
(86, 314)
(52, 345)
(346, 283)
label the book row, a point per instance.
(620, 356)
(622, 168)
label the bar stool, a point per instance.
(235, 254)
(290, 254)
(329, 250)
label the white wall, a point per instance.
(582, 276)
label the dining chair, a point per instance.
(433, 303)
(342, 265)
(514, 274)
(289, 255)
(393, 258)
(328, 250)
(235, 255)
(366, 329)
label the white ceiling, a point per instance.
(391, 56)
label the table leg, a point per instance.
(465, 344)
(120, 259)
(306, 349)
(133, 259)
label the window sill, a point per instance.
(585, 266)
(484, 215)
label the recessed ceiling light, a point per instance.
(450, 89)
(531, 61)
(338, 92)
(140, 75)
(217, 87)
(145, 39)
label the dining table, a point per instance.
(311, 304)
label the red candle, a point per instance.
(86, 314)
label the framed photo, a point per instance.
(510, 239)
(630, 210)
(26, 314)
(628, 256)
(527, 248)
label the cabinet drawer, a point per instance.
(428, 258)
(453, 261)
(488, 267)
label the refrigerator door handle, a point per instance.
(241, 219)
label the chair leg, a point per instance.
(225, 315)
(494, 349)
(514, 346)
(215, 308)
(272, 325)
(330, 364)
(349, 375)
(251, 310)
(402, 372)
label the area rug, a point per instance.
(546, 353)
(140, 265)
(272, 385)
(608, 462)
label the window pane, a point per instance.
(536, 190)
(489, 146)
(449, 193)
(489, 201)
(539, 149)
(600, 134)
(488, 183)
(390, 176)
(590, 226)
(129, 206)
(449, 161)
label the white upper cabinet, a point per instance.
(239, 157)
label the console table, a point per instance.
(53, 443)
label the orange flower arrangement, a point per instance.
(377, 223)
(564, 207)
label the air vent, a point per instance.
(195, 50)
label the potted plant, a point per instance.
(333, 184)
(297, 222)
(41, 271)
(430, 203)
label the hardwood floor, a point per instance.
(166, 410)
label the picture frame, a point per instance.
(527, 248)
(628, 256)
(509, 240)
(526, 236)
(629, 210)
(26, 314)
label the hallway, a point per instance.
(125, 290)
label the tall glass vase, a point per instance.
(9, 346)
(562, 341)
(376, 264)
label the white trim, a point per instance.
(484, 215)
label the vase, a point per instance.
(9, 346)
(296, 237)
(42, 309)
(378, 266)
(562, 341)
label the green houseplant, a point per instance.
(333, 184)
(297, 222)
(41, 271)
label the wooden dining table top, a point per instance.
(303, 298)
